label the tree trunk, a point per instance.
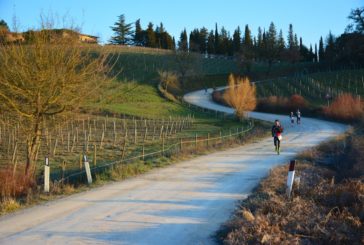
(33, 147)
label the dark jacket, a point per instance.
(276, 130)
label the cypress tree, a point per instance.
(151, 41)
(316, 54)
(330, 48)
(281, 43)
(211, 43)
(236, 40)
(203, 40)
(247, 41)
(138, 35)
(217, 41)
(194, 41)
(321, 51)
(290, 38)
(183, 43)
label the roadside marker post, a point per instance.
(88, 170)
(290, 177)
(46, 174)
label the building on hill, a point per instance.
(11, 37)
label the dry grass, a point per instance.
(345, 108)
(326, 208)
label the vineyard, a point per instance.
(110, 140)
(142, 64)
(317, 88)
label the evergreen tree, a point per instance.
(312, 55)
(224, 42)
(183, 43)
(271, 49)
(316, 54)
(217, 41)
(247, 41)
(123, 32)
(151, 40)
(330, 48)
(194, 41)
(280, 42)
(138, 35)
(321, 51)
(203, 40)
(236, 40)
(4, 25)
(296, 45)
(293, 52)
(259, 45)
(290, 38)
(211, 43)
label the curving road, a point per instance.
(180, 204)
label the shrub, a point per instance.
(297, 102)
(345, 108)
(240, 95)
(14, 185)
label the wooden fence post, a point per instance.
(94, 160)
(208, 139)
(163, 145)
(195, 141)
(80, 162)
(143, 152)
(180, 143)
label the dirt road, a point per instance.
(180, 204)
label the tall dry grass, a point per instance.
(240, 95)
(345, 108)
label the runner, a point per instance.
(277, 131)
(298, 113)
(292, 119)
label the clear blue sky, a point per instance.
(310, 18)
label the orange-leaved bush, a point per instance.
(241, 95)
(345, 107)
(297, 101)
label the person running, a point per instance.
(298, 113)
(291, 116)
(277, 131)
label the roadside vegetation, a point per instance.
(327, 206)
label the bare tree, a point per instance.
(49, 74)
(167, 78)
(241, 95)
(357, 16)
(188, 64)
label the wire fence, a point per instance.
(173, 146)
(179, 146)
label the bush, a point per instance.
(14, 185)
(345, 108)
(297, 102)
(240, 95)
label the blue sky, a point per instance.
(310, 18)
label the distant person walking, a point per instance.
(277, 131)
(298, 113)
(291, 116)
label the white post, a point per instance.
(290, 177)
(88, 170)
(46, 175)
